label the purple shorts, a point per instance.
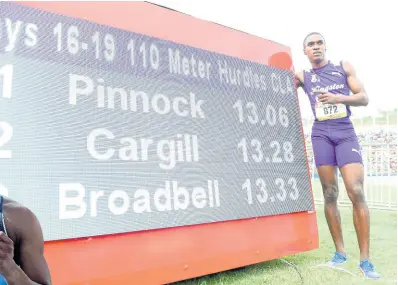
(335, 144)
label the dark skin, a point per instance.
(353, 174)
(22, 260)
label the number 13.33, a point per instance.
(261, 192)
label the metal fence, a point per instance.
(380, 163)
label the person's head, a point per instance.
(314, 46)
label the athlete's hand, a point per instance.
(328, 98)
(7, 263)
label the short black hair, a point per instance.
(313, 33)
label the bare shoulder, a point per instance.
(348, 67)
(18, 219)
(16, 211)
(25, 231)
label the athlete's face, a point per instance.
(314, 48)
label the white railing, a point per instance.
(380, 163)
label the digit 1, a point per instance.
(58, 33)
(142, 50)
(95, 40)
(238, 105)
(248, 187)
(7, 71)
(130, 47)
(243, 145)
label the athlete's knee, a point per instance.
(330, 193)
(356, 192)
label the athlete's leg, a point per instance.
(349, 160)
(353, 176)
(329, 182)
(325, 160)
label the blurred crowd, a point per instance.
(379, 150)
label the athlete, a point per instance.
(335, 143)
(21, 246)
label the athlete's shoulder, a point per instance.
(337, 68)
(343, 64)
(12, 205)
(18, 217)
(348, 67)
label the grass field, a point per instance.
(276, 272)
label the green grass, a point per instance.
(275, 272)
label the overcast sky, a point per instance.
(362, 32)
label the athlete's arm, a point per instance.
(359, 96)
(33, 269)
(299, 79)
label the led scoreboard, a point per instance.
(106, 130)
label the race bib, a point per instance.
(330, 111)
